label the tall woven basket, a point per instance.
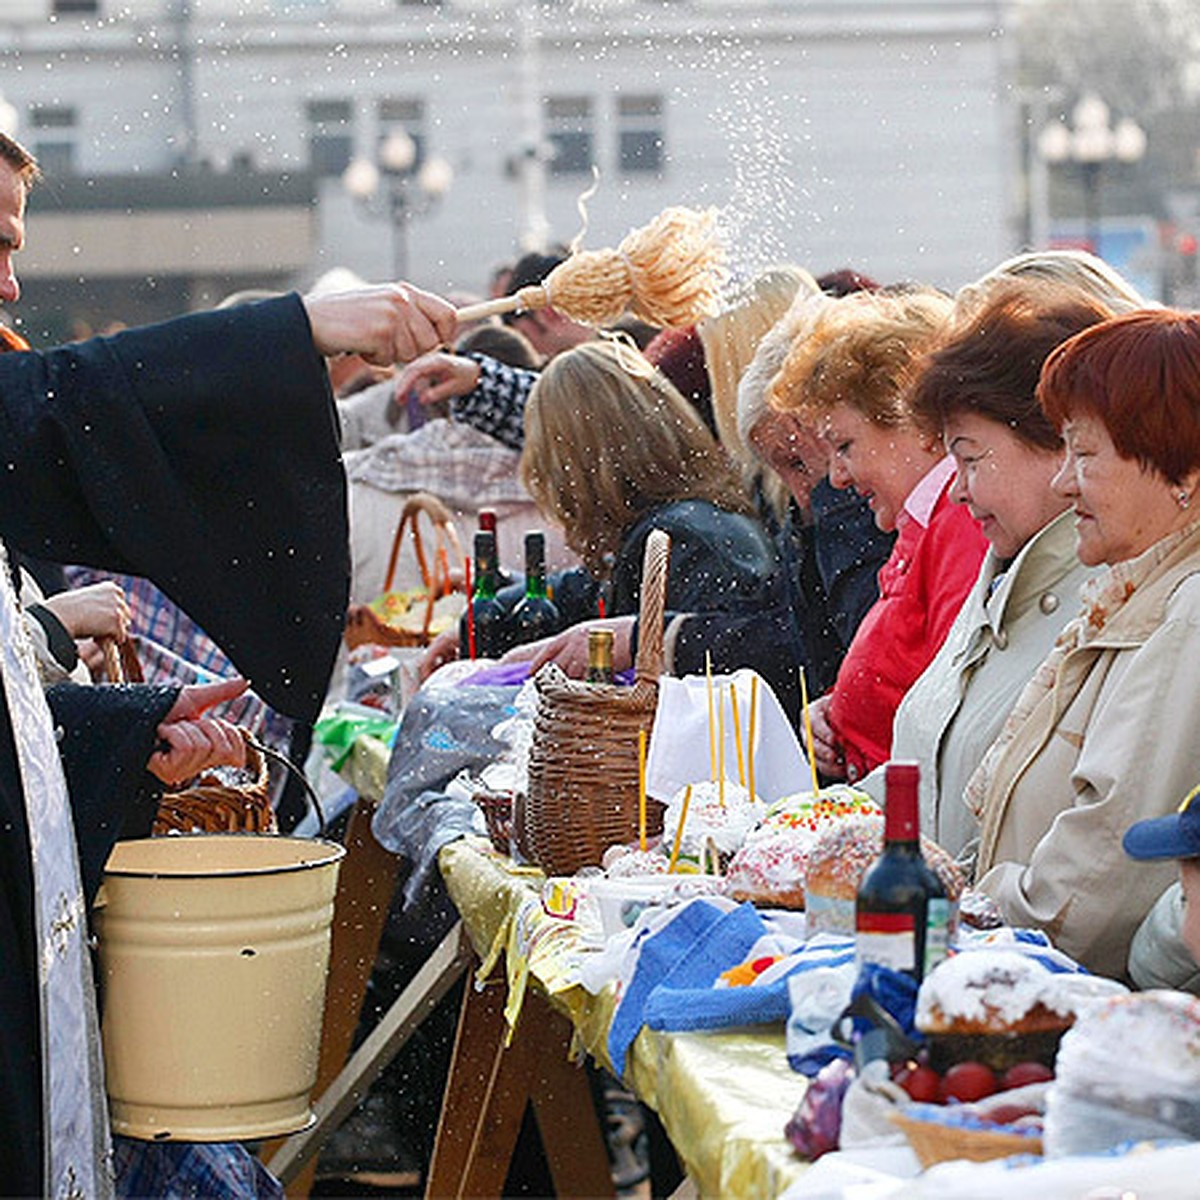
(583, 764)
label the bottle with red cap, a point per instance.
(903, 918)
(487, 524)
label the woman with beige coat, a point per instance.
(1103, 735)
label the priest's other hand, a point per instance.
(391, 323)
(191, 742)
(97, 610)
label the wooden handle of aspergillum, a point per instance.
(525, 299)
(488, 308)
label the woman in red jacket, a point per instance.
(848, 379)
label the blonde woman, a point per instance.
(848, 378)
(612, 450)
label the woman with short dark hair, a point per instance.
(1103, 735)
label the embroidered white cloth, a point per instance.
(78, 1162)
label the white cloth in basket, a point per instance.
(679, 747)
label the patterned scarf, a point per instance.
(1103, 597)
(74, 1114)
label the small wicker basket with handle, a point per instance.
(213, 805)
(933, 1142)
(583, 764)
(210, 804)
(406, 618)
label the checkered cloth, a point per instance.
(497, 405)
(190, 1171)
(464, 468)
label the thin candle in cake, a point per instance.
(737, 734)
(642, 790)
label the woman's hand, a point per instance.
(827, 748)
(443, 649)
(569, 650)
(98, 610)
(194, 743)
(438, 376)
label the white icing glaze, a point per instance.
(727, 824)
(1135, 1046)
(634, 862)
(992, 986)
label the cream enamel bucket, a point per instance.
(214, 950)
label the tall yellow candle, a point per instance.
(683, 812)
(808, 734)
(750, 735)
(737, 735)
(712, 725)
(642, 790)
(721, 750)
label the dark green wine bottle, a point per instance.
(903, 918)
(487, 613)
(535, 615)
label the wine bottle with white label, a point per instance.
(903, 918)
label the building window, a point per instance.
(53, 142)
(55, 159)
(330, 135)
(640, 133)
(76, 8)
(46, 116)
(569, 131)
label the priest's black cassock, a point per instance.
(202, 454)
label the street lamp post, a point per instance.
(1091, 141)
(405, 188)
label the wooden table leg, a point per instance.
(486, 1094)
(444, 967)
(566, 1115)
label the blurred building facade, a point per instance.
(197, 147)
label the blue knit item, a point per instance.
(659, 954)
(687, 999)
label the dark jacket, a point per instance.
(718, 558)
(827, 582)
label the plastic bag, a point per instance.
(816, 1125)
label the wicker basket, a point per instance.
(934, 1142)
(407, 618)
(214, 805)
(583, 764)
(497, 809)
(211, 804)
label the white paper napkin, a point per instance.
(679, 747)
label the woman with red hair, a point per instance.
(1104, 734)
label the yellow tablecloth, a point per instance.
(723, 1098)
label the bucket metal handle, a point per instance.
(309, 791)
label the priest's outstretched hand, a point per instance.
(387, 324)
